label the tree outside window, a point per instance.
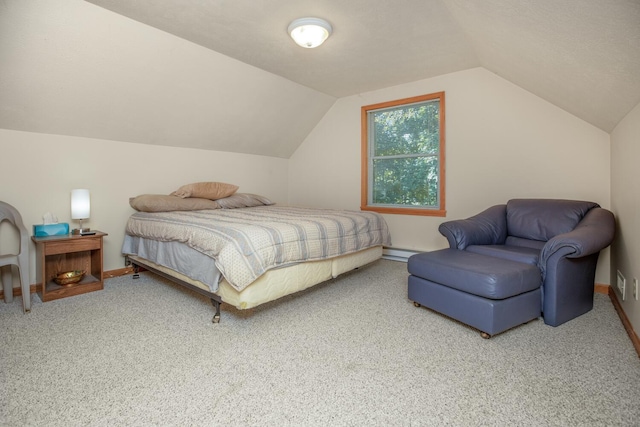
(403, 156)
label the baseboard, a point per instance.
(602, 289)
(118, 272)
(397, 254)
(625, 320)
(17, 292)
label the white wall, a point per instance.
(502, 142)
(39, 171)
(625, 203)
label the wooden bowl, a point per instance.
(69, 277)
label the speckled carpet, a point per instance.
(353, 351)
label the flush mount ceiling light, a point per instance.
(309, 32)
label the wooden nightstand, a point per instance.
(58, 254)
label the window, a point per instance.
(403, 156)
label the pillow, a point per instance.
(243, 200)
(162, 203)
(206, 190)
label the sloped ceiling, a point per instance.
(582, 55)
(232, 80)
(68, 67)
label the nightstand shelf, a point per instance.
(58, 254)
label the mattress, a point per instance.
(278, 282)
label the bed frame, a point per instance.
(336, 267)
(138, 263)
(288, 267)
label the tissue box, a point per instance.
(42, 230)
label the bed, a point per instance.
(247, 256)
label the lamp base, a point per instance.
(79, 231)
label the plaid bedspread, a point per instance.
(247, 242)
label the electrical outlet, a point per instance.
(622, 285)
(635, 288)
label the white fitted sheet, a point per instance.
(279, 282)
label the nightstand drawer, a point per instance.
(78, 245)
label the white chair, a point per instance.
(21, 260)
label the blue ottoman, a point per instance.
(488, 293)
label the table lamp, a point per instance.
(80, 208)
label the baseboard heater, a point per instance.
(397, 254)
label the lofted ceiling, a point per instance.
(581, 55)
(224, 75)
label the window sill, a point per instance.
(405, 211)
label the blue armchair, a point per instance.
(561, 238)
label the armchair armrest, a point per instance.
(594, 233)
(489, 227)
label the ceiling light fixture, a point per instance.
(309, 32)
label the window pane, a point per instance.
(412, 129)
(403, 150)
(406, 181)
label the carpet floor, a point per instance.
(353, 351)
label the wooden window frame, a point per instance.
(364, 185)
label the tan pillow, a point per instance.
(206, 190)
(162, 203)
(243, 200)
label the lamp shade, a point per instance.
(309, 32)
(80, 204)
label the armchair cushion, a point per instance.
(518, 241)
(542, 219)
(513, 253)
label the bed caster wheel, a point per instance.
(216, 319)
(485, 335)
(417, 304)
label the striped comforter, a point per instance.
(247, 242)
